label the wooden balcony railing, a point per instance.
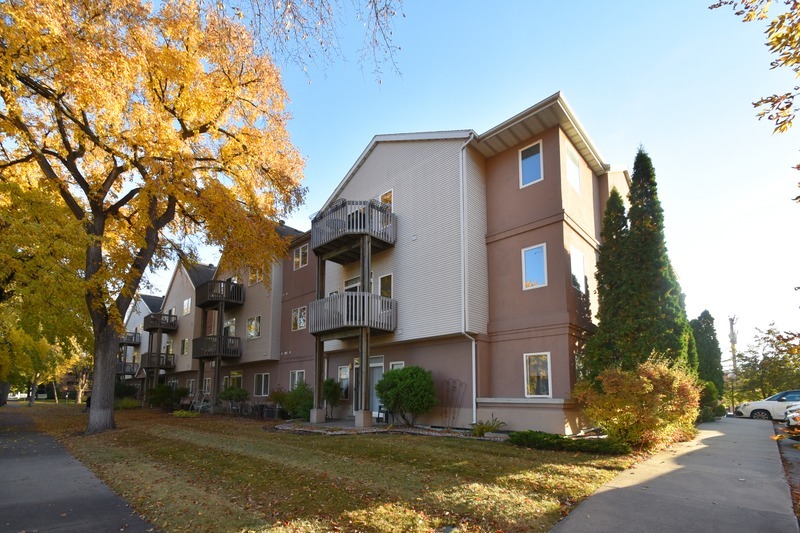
(345, 219)
(124, 368)
(160, 321)
(352, 310)
(131, 338)
(215, 291)
(216, 346)
(160, 360)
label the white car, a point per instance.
(793, 415)
(772, 408)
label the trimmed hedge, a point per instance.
(541, 440)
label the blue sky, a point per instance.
(672, 76)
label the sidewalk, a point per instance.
(44, 488)
(729, 479)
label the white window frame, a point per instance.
(397, 365)
(297, 313)
(344, 374)
(255, 320)
(206, 385)
(390, 192)
(187, 306)
(577, 261)
(184, 346)
(237, 378)
(526, 377)
(190, 386)
(391, 284)
(259, 381)
(543, 246)
(226, 382)
(295, 377)
(173, 383)
(573, 169)
(301, 256)
(253, 279)
(522, 183)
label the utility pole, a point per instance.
(732, 338)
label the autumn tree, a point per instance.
(159, 127)
(769, 365)
(783, 40)
(709, 353)
(641, 310)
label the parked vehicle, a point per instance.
(792, 415)
(772, 408)
(17, 396)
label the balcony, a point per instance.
(130, 338)
(336, 232)
(213, 292)
(337, 314)
(161, 321)
(217, 346)
(126, 368)
(160, 360)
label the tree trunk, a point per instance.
(106, 346)
(34, 389)
(55, 392)
(5, 388)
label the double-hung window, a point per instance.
(530, 165)
(299, 318)
(537, 375)
(301, 256)
(296, 377)
(254, 327)
(261, 385)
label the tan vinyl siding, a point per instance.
(179, 289)
(477, 270)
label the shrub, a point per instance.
(126, 403)
(165, 397)
(720, 410)
(646, 408)
(234, 394)
(541, 440)
(182, 413)
(481, 428)
(122, 390)
(299, 401)
(407, 392)
(331, 393)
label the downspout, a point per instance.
(463, 215)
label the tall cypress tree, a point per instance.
(708, 350)
(641, 311)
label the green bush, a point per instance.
(646, 408)
(299, 401)
(126, 403)
(407, 392)
(182, 413)
(481, 428)
(122, 390)
(234, 394)
(331, 393)
(165, 397)
(541, 440)
(706, 414)
(720, 410)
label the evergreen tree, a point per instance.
(641, 310)
(708, 350)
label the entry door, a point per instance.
(375, 375)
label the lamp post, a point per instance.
(732, 380)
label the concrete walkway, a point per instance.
(729, 479)
(44, 488)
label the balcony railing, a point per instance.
(160, 360)
(131, 338)
(127, 368)
(353, 310)
(161, 321)
(215, 291)
(216, 346)
(345, 220)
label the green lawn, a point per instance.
(223, 474)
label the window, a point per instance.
(226, 382)
(184, 346)
(344, 381)
(229, 328)
(298, 318)
(537, 374)
(190, 386)
(254, 327)
(171, 311)
(577, 268)
(301, 256)
(295, 377)
(206, 385)
(386, 198)
(187, 306)
(573, 170)
(396, 365)
(256, 275)
(534, 267)
(385, 285)
(168, 346)
(173, 384)
(261, 385)
(236, 378)
(530, 165)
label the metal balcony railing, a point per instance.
(131, 338)
(160, 321)
(160, 360)
(353, 310)
(216, 346)
(215, 291)
(353, 218)
(127, 368)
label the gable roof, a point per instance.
(152, 302)
(199, 273)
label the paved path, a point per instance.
(43, 488)
(730, 479)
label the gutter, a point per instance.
(463, 216)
